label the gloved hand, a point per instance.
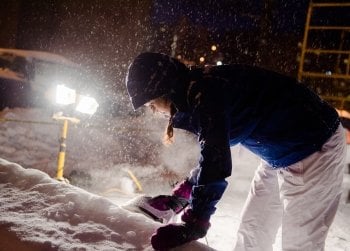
(166, 202)
(177, 201)
(183, 189)
(173, 235)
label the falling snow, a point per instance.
(39, 212)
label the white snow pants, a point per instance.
(303, 197)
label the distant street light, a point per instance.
(213, 47)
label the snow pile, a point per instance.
(40, 213)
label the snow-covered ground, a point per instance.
(39, 213)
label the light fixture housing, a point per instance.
(68, 96)
(86, 104)
(65, 95)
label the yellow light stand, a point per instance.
(62, 150)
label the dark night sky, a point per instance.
(104, 35)
(287, 15)
(263, 33)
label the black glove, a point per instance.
(174, 235)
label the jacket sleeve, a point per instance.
(215, 159)
(215, 156)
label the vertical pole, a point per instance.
(304, 45)
(347, 69)
(62, 152)
(341, 45)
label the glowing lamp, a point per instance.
(65, 95)
(86, 105)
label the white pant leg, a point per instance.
(262, 213)
(310, 191)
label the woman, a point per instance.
(297, 135)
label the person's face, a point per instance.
(160, 105)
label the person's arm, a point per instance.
(215, 161)
(208, 182)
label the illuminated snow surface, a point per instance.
(39, 213)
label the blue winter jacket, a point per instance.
(272, 115)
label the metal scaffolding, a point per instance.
(324, 61)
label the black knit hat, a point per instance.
(152, 75)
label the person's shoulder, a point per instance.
(236, 71)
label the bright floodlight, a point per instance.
(219, 63)
(65, 95)
(87, 105)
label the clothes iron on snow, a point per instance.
(162, 208)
